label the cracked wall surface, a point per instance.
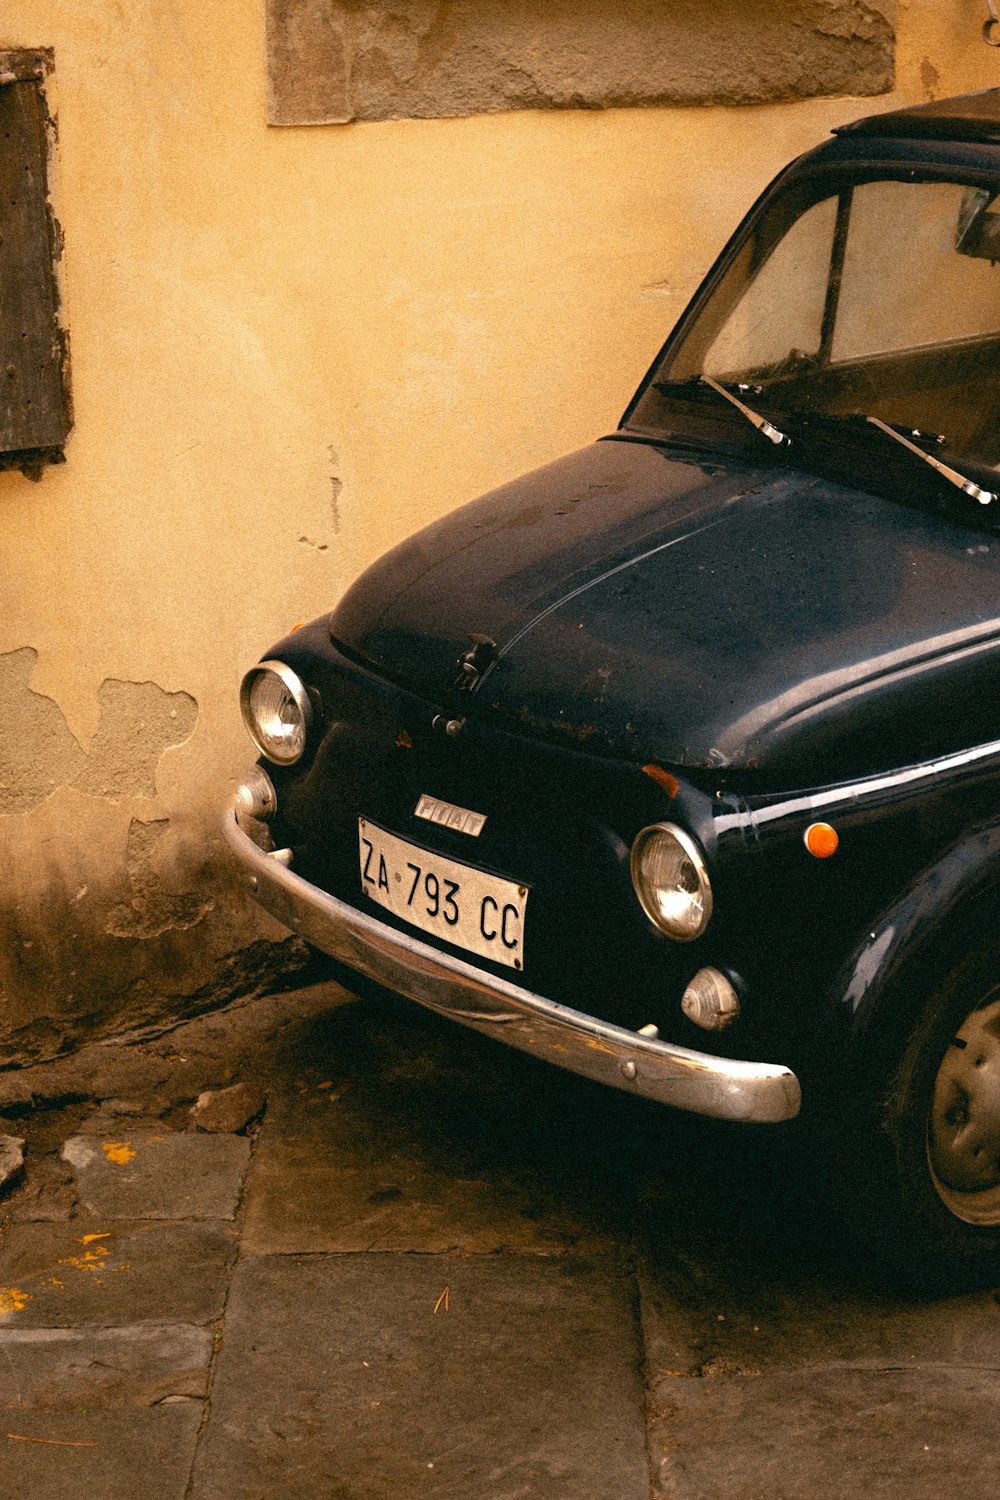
(96, 899)
(333, 61)
(38, 751)
(152, 909)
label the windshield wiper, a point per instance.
(678, 387)
(985, 497)
(859, 420)
(761, 423)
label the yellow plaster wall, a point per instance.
(291, 347)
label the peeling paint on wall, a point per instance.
(138, 722)
(332, 61)
(38, 751)
(151, 910)
(109, 920)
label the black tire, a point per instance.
(922, 1169)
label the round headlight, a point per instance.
(671, 881)
(276, 711)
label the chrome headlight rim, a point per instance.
(299, 695)
(693, 852)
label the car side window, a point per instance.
(905, 283)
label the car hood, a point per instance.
(654, 604)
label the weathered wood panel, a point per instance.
(33, 406)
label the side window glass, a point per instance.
(906, 282)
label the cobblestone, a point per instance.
(439, 1270)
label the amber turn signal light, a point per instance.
(821, 840)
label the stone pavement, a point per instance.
(430, 1267)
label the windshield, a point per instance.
(875, 296)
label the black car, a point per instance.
(677, 762)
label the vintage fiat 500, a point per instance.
(677, 762)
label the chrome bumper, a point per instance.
(717, 1086)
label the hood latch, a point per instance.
(475, 661)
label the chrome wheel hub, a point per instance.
(964, 1126)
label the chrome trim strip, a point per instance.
(847, 794)
(716, 1086)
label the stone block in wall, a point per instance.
(334, 61)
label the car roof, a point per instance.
(966, 117)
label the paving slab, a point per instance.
(349, 1195)
(106, 1455)
(781, 1364)
(880, 1435)
(94, 1273)
(739, 1270)
(365, 1376)
(161, 1175)
(64, 1369)
(46, 1192)
(722, 1318)
(405, 1135)
(781, 1361)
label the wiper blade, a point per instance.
(677, 387)
(761, 423)
(859, 420)
(985, 497)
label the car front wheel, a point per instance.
(926, 1181)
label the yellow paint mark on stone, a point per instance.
(12, 1300)
(88, 1239)
(120, 1152)
(90, 1262)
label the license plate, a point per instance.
(478, 912)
